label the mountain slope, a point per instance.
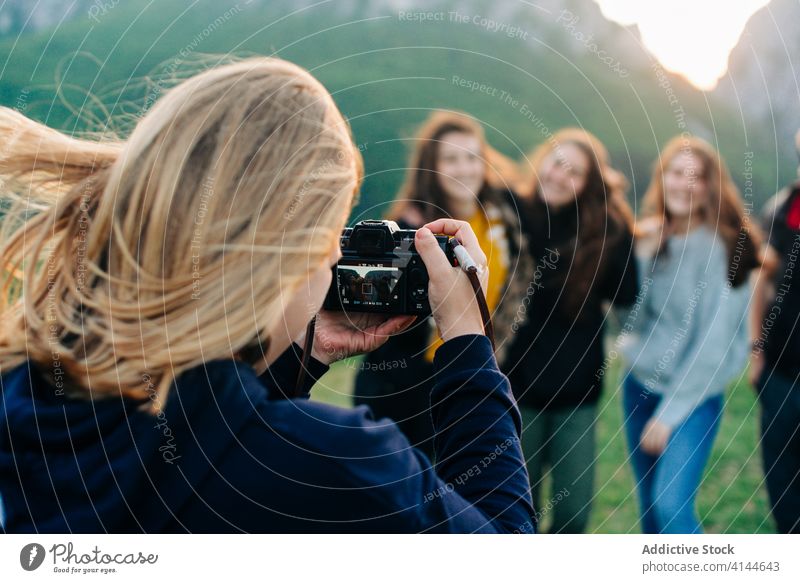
(540, 67)
(763, 81)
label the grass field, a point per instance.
(732, 497)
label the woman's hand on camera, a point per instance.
(338, 335)
(455, 309)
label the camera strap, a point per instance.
(308, 344)
(486, 316)
(468, 265)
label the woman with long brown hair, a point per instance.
(156, 294)
(453, 172)
(580, 230)
(689, 337)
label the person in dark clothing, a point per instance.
(580, 232)
(228, 454)
(775, 367)
(145, 391)
(453, 172)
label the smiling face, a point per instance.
(562, 175)
(460, 166)
(685, 188)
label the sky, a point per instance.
(691, 37)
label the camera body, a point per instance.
(380, 271)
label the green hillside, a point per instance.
(385, 74)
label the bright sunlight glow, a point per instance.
(690, 37)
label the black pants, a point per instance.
(780, 446)
(403, 395)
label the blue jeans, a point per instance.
(668, 483)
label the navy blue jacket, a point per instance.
(228, 454)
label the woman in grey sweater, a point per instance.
(686, 337)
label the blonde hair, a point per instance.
(129, 262)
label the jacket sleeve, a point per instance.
(479, 483)
(477, 439)
(353, 473)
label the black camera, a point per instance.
(381, 271)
